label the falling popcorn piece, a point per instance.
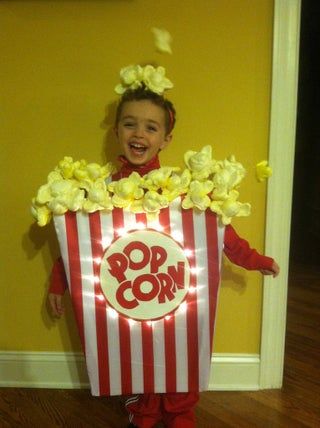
(263, 171)
(162, 39)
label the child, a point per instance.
(144, 124)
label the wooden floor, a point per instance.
(296, 405)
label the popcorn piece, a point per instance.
(162, 40)
(198, 195)
(228, 177)
(158, 178)
(130, 77)
(153, 202)
(126, 190)
(40, 213)
(98, 197)
(200, 163)
(263, 171)
(230, 207)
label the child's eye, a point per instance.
(152, 128)
(128, 124)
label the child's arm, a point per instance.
(58, 285)
(239, 252)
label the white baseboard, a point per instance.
(230, 372)
(235, 372)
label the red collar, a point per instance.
(127, 168)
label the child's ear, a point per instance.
(166, 141)
(115, 130)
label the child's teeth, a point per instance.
(137, 146)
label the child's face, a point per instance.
(141, 131)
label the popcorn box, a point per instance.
(145, 295)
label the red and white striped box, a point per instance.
(145, 296)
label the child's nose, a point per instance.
(139, 131)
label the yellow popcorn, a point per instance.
(205, 183)
(61, 187)
(158, 178)
(126, 190)
(197, 195)
(228, 176)
(153, 202)
(66, 167)
(71, 201)
(98, 197)
(54, 176)
(58, 206)
(231, 207)
(75, 199)
(92, 171)
(200, 163)
(177, 185)
(41, 214)
(162, 40)
(44, 194)
(263, 171)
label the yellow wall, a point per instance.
(60, 62)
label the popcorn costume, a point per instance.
(141, 253)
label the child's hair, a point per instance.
(145, 94)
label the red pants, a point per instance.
(176, 410)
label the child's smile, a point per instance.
(141, 131)
(138, 148)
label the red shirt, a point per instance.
(235, 248)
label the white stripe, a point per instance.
(159, 356)
(107, 231)
(180, 316)
(220, 231)
(202, 297)
(88, 301)
(114, 354)
(129, 220)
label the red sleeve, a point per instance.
(239, 252)
(58, 280)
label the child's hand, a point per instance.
(55, 301)
(275, 269)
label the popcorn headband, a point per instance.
(148, 77)
(136, 76)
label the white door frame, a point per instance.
(286, 38)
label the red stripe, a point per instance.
(75, 271)
(169, 325)
(192, 312)
(147, 340)
(100, 305)
(124, 328)
(213, 267)
(141, 218)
